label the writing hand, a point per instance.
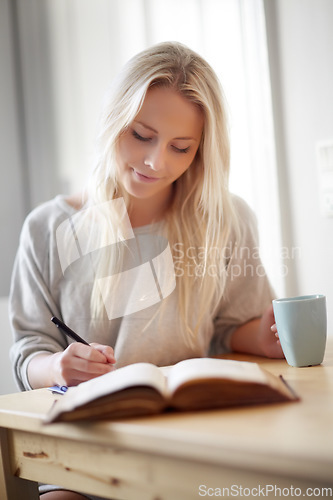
(79, 362)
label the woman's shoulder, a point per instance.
(246, 218)
(241, 207)
(47, 216)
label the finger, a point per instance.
(91, 369)
(106, 350)
(75, 369)
(86, 358)
(77, 377)
(83, 351)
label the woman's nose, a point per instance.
(155, 159)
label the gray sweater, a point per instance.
(41, 290)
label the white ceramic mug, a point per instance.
(301, 324)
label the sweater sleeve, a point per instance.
(248, 291)
(32, 302)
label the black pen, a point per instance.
(68, 331)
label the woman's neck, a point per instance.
(143, 212)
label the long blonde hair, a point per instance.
(201, 216)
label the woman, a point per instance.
(163, 154)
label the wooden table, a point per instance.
(282, 448)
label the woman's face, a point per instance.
(159, 145)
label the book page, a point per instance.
(135, 375)
(206, 368)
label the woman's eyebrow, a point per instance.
(156, 132)
(146, 126)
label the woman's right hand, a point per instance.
(76, 364)
(79, 362)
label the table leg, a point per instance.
(13, 487)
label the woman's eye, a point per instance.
(147, 139)
(179, 150)
(139, 137)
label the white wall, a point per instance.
(13, 187)
(300, 43)
(7, 384)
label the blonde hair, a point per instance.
(201, 216)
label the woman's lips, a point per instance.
(144, 178)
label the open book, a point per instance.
(193, 384)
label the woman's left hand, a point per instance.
(268, 337)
